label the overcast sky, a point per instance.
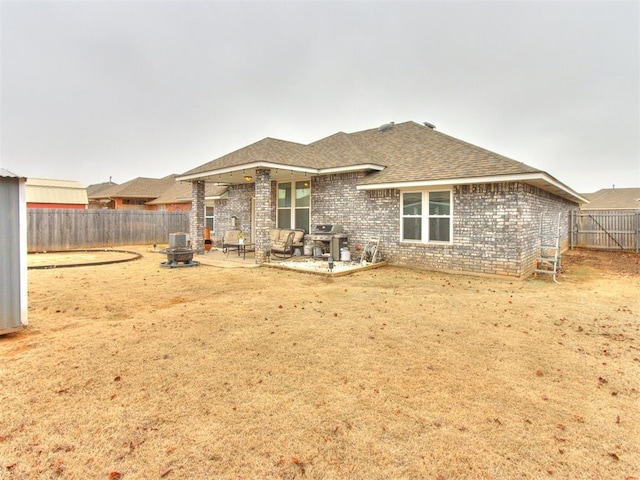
(98, 89)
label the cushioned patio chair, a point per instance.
(281, 242)
(230, 237)
(298, 240)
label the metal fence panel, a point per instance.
(51, 229)
(605, 230)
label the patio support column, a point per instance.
(196, 221)
(263, 213)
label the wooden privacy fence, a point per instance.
(51, 229)
(605, 230)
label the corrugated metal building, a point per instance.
(45, 193)
(13, 245)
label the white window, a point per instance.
(426, 216)
(294, 205)
(209, 216)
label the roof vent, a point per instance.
(430, 125)
(386, 126)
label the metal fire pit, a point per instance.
(179, 257)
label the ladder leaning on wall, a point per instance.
(549, 260)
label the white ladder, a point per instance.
(549, 260)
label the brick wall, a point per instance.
(363, 214)
(264, 194)
(175, 207)
(495, 226)
(537, 204)
(238, 204)
(196, 219)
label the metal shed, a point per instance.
(13, 252)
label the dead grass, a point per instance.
(133, 371)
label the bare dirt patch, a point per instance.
(133, 371)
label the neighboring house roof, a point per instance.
(180, 192)
(614, 199)
(401, 155)
(140, 187)
(98, 187)
(67, 192)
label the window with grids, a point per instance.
(294, 205)
(426, 216)
(209, 216)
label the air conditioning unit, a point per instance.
(178, 240)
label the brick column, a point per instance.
(196, 222)
(263, 213)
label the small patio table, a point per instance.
(240, 248)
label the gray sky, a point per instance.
(99, 89)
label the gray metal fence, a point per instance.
(605, 230)
(51, 229)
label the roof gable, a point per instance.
(141, 187)
(340, 150)
(265, 150)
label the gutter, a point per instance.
(521, 177)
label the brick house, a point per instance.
(132, 195)
(435, 202)
(179, 196)
(94, 189)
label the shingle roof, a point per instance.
(412, 152)
(180, 192)
(408, 151)
(614, 199)
(140, 187)
(266, 150)
(98, 187)
(399, 154)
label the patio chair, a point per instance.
(282, 242)
(230, 239)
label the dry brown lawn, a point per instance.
(132, 371)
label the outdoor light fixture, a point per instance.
(330, 260)
(248, 178)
